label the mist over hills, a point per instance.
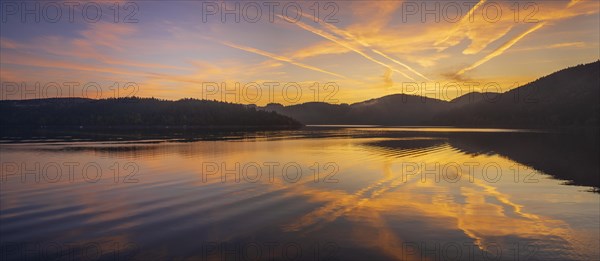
(567, 98)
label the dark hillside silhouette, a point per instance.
(314, 112)
(471, 98)
(396, 109)
(136, 112)
(568, 98)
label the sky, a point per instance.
(293, 52)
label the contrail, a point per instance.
(400, 63)
(277, 57)
(350, 36)
(335, 40)
(337, 30)
(501, 49)
(508, 44)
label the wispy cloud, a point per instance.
(501, 49)
(277, 57)
(553, 46)
(343, 43)
(454, 35)
(351, 37)
(369, 48)
(402, 64)
(318, 49)
(573, 2)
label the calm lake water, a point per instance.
(320, 193)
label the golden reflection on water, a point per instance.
(376, 202)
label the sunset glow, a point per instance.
(367, 49)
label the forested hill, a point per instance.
(136, 112)
(567, 98)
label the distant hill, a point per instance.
(397, 109)
(471, 98)
(570, 97)
(136, 112)
(566, 98)
(313, 112)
